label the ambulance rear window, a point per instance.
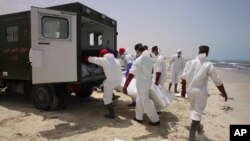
(55, 27)
(95, 39)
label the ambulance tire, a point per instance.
(42, 97)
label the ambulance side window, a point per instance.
(55, 27)
(95, 39)
(12, 34)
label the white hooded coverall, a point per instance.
(113, 73)
(178, 65)
(196, 73)
(160, 66)
(142, 70)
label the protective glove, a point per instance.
(129, 65)
(223, 92)
(183, 87)
(128, 80)
(157, 78)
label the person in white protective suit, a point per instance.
(126, 58)
(159, 70)
(194, 83)
(160, 67)
(142, 70)
(178, 65)
(129, 59)
(113, 73)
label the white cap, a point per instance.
(179, 50)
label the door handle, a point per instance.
(43, 43)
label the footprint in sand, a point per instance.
(25, 115)
(19, 134)
(227, 108)
(231, 98)
(11, 120)
(209, 114)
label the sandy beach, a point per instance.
(84, 121)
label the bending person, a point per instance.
(113, 73)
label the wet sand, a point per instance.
(83, 120)
(237, 84)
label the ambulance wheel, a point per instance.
(85, 92)
(42, 97)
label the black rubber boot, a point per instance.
(115, 97)
(137, 120)
(111, 110)
(154, 123)
(194, 127)
(132, 104)
(175, 88)
(200, 129)
(169, 87)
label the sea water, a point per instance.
(243, 66)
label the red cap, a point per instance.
(103, 52)
(121, 50)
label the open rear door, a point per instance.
(53, 53)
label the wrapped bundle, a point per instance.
(132, 91)
(160, 96)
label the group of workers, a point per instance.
(150, 68)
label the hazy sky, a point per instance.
(224, 25)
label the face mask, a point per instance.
(202, 56)
(122, 56)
